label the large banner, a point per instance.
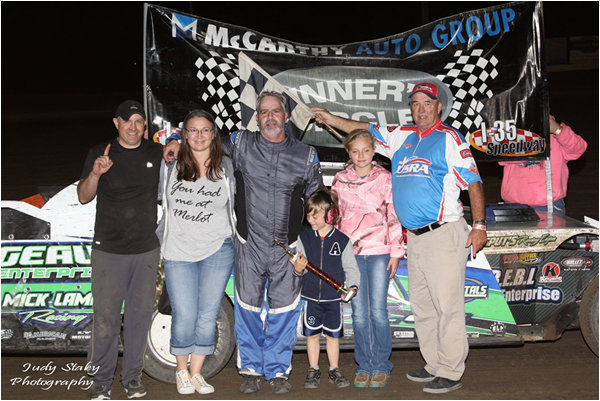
(488, 64)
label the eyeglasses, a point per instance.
(203, 131)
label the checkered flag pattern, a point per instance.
(221, 76)
(255, 80)
(466, 77)
(523, 136)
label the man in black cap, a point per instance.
(124, 174)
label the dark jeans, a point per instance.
(118, 278)
(558, 206)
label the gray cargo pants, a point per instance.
(118, 278)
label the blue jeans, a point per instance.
(372, 333)
(559, 207)
(195, 291)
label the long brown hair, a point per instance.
(187, 168)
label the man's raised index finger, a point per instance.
(106, 150)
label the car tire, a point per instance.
(161, 365)
(588, 315)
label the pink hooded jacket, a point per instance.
(367, 212)
(527, 184)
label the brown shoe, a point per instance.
(362, 380)
(379, 380)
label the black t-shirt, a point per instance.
(126, 205)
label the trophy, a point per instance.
(318, 272)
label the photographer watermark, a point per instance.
(49, 369)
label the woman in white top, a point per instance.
(197, 247)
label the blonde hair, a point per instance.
(357, 134)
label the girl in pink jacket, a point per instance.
(368, 218)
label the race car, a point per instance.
(536, 277)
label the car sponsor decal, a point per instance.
(404, 334)
(498, 328)
(45, 255)
(576, 263)
(518, 285)
(44, 335)
(69, 296)
(551, 273)
(537, 294)
(508, 241)
(7, 334)
(82, 335)
(475, 289)
(516, 276)
(53, 318)
(531, 258)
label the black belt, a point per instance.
(427, 228)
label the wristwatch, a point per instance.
(480, 225)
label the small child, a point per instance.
(331, 251)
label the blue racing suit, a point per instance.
(272, 180)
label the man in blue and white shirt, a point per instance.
(431, 164)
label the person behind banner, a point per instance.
(525, 181)
(124, 175)
(331, 251)
(197, 247)
(274, 174)
(367, 216)
(431, 163)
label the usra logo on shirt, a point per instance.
(335, 249)
(414, 167)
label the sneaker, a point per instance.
(279, 385)
(313, 378)
(441, 385)
(362, 380)
(251, 384)
(201, 385)
(134, 389)
(336, 377)
(184, 386)
(379, 380)
(420, 376)
(100, 393)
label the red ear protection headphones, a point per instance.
(332, 213)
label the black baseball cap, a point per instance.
(129, 108)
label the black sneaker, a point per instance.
(100, 393)
(441, 385)
(251, 384)
(134, 389)
(420, 376)
(313, 378)
(336, 377)
(279, 385)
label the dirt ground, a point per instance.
(564, 369)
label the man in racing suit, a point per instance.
(274, 174)
(432, 163)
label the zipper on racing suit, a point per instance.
(321, 267)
